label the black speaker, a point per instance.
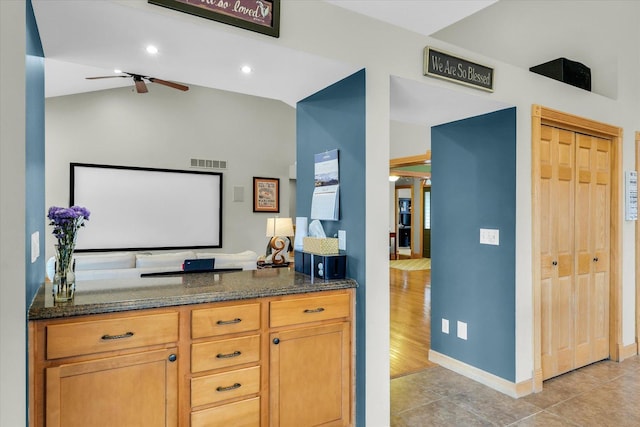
(566, 71)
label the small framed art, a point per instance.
(266, 194)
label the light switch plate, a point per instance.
(35, 246)
(342, 240)
(489, 236)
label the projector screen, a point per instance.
(135, 208)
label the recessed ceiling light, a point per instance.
(246, 69)
(152, 49)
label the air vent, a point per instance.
(208, 164)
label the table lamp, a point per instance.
(276, 229)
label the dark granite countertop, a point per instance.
(106, 296)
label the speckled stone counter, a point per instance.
(106, 296)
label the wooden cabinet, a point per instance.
(226, 365)
(133, 390)
(112, 370)
(214, 364)
(310, 361)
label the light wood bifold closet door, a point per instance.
(575, 197)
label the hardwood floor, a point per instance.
(410, 323)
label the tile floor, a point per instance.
(603, 394)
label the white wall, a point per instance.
(12, 214)
(386, 51)
(408, 139)
(165, 128)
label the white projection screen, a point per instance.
(135, 208)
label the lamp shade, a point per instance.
(279, 227)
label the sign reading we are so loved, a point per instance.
(446, 66)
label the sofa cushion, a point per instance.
(245, 260)
(108, 261)
(174, 260)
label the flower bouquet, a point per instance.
(66, 222)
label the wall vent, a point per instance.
(208, 164)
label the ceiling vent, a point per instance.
(208, 164)
(566, 71)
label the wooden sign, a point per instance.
(262, 16)
(446, 66)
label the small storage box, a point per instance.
(322, 246)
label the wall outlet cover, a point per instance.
(445, 326)
(342, 240)
(462, 330)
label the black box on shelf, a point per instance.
(566, 71)
(327, 267)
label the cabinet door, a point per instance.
(311, 376)
(134, 390)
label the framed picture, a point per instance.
(266, 194)
(261, 16)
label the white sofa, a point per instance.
(127, 265)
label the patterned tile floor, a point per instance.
(602, 394)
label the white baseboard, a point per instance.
(490, 380)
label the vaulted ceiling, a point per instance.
(92, 37)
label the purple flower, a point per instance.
(66, 222)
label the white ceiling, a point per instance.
(92, 37)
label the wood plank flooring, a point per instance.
(410, 322)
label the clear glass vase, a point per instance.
(64, 279)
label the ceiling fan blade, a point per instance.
(103, 77)
(141, 87)
(170, 84)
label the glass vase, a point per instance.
(64, 279)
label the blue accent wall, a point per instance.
(334, 118)
(34, 179)
(474, 187)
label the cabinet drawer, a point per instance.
(210, 322)
(245, 413)
(227, 385)
(223, 353)
(309, 309)
(78, 338)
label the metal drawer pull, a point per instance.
(555, 263)
(108, 337)
(229, 322)
(231, 387)
(317, 310)
(228, 356)
(595, 259)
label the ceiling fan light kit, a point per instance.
(139, 81)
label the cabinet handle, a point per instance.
(276, 341)
(108, 337)
(173, 357)
(229, 322)
(595, 259)
(229, 355)
(315, 310)
(229, 388)
(555, 263)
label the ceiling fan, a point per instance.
(141, 86)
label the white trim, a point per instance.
(509, 388)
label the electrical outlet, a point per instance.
(445, 326)
(462, 330)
